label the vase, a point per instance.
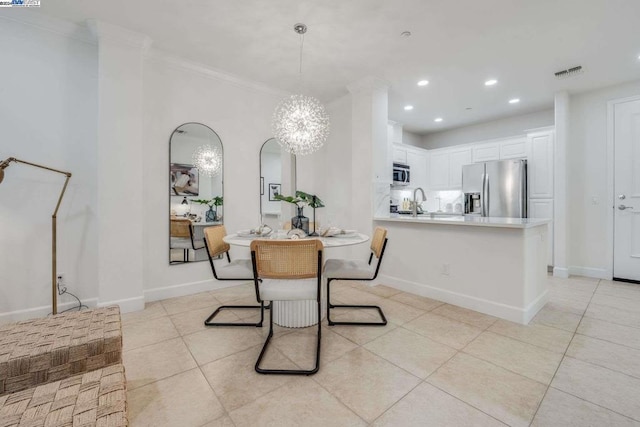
(300, 221)
(210, 215)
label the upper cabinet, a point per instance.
(399, 154)
(541, 164)
(513, 148)
(485, 152)
(445, 170)
(457, 159)
(417, 161)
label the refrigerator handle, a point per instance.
(485, 194)
(524, 209)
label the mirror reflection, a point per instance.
(271, 181)
(195, 188)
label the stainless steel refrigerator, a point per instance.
(496, 189)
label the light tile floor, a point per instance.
(577, 363)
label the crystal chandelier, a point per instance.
(208, 160)
(300, 122)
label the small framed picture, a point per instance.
(262, 185)
(274, 190)
(184, 180)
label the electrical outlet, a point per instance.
(445, 269)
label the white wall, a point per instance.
(411, 138)
(48, 115)
(51, 117)
(241, 116)
(587, 177)
(502, 128)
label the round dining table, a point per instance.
(301, 314)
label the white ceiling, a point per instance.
(455, 44)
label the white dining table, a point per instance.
(301, 314)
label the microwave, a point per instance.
(401, 174)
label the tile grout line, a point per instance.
(564, 355)
(455, 397)
(225, 412)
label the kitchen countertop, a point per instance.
(476, 221)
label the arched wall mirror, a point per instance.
(277, 176)
(196, 190)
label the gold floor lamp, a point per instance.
(54, 292)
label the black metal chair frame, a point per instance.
(266, 343)
(370, 307)
(209, 321)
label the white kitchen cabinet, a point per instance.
(399, 154)
(417, 161)
(445, 168)
(457, 159)
(540, 165)
(543, 208)
(513, 149)
(485, 152)
(439, 170)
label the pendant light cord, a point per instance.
(300, 70)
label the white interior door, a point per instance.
(626, 255)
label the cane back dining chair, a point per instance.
(181, 237)
(287, 270)
(339, 269)
(238, 269)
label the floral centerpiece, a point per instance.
(300, 200)
(211, 215)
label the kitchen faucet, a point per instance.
(414, 207)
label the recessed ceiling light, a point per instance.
(423, 82)
(490, 82)
(514, 101)
(438, 120)
(408, 107)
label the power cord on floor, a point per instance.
(63, 290)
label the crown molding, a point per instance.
(367, 85)
(207, 71)
(105, 31)
(29, 16)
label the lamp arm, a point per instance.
(64, 187)
(54, 232)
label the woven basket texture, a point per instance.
(44, 350)
(214, 236)
(96, 398)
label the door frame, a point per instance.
(611, 197)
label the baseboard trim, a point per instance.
(42, 311)
(126, 305)
(503, 311)
(561, 272)
(596, 273)
(182, 289)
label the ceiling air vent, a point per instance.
(569, 72)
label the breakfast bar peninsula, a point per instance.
(495, 266)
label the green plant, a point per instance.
(301, 198)
(216, 201)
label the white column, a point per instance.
(560, 261)
(120, 160)
(369, 151)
